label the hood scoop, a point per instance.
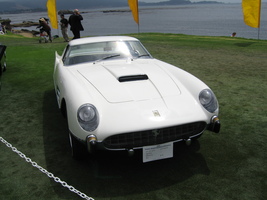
(133, 78)
(119, 83)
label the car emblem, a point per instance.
(156, 113)
(155, 132)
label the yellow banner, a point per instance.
(52, 13)
(252, 12)
(133, 4)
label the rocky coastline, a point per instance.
(7, 26)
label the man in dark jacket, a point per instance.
(75, 23)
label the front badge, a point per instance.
(156, 113)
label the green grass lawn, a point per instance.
(229, 165)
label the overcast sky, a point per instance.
(225, 1)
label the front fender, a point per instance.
(72, 90)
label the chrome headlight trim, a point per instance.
(88, 117)
(208, 100)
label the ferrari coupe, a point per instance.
(117, 97)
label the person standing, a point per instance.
(64, 27)
(43, 24)
(75, 23)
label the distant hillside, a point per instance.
(9, 6)
(37, 5)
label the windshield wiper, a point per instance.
(107, 57)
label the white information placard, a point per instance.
(157, 152)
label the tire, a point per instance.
(4, 67)
(4, 64)
(1, 72)
(78, 150)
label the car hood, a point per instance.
(130, 80)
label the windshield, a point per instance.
(93, 52)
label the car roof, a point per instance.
(100, 39)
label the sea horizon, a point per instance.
(192, 19)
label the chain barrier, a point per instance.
(49, 174)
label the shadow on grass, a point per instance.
(245, 44)
(111, 174)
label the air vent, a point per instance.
(133, 78)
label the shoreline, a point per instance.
(25, 33)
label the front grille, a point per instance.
(153, 137)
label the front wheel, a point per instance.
(78, 150)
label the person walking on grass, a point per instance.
(64, 27)
(43, 24)
(75, 23)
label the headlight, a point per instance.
(88, 117)
(208, 100)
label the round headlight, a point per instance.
(208, 100)
(88, 117)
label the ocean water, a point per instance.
(205, 20)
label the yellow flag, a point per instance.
(252, 12)
(133, 4)
(52, 13)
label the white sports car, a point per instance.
(116, 96)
